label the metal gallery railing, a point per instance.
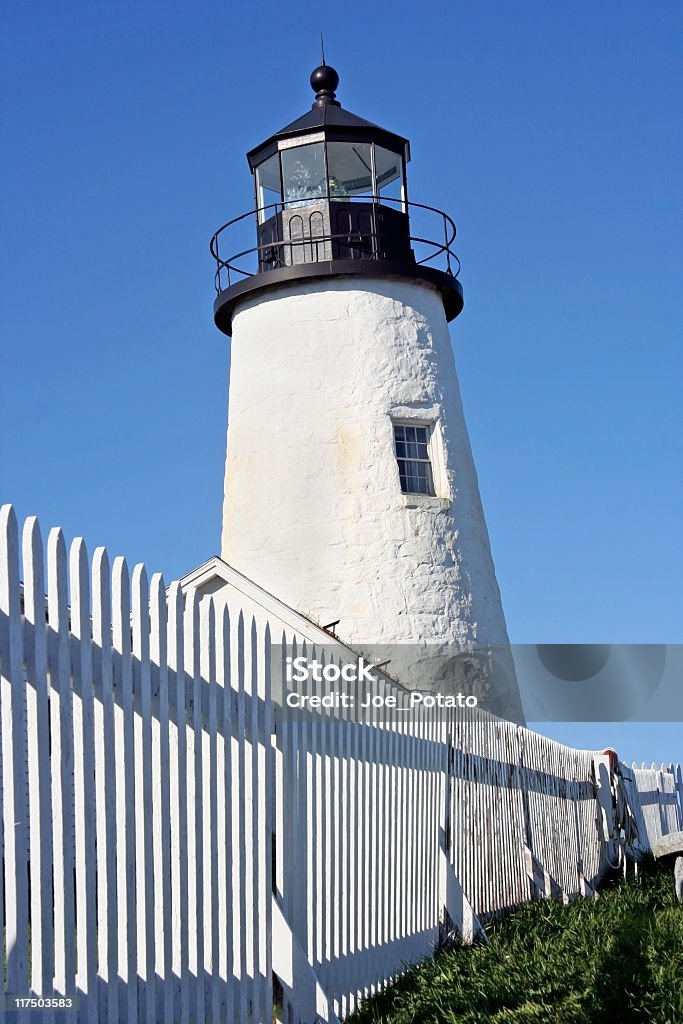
(427, 233)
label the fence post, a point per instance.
(605, 808)
(679, 793)
(458, 919)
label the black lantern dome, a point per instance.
(330, 200)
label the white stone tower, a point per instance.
(350, 488)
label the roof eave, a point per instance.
(332, 120)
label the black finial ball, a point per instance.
(324, 80)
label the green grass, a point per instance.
(617, 960)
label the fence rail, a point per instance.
(173, 841)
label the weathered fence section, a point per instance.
(656, 796)
(399, 830)
(523, 813)
(174, 841)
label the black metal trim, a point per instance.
(394, 143)
(227, 300)
(229, 266)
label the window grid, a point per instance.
(411, 444)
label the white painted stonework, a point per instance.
(313, 508)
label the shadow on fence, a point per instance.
(155, 802)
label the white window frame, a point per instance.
(429, 461)
(429, 417)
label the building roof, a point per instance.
(215, 574)
(328, 115)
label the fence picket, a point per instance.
(210, 799)
(239, 833)
(161, 825)
(14, 783)
(142, 727)
(265, 822)
(125, 789)
(324, 839)
(178, 800)
(315, 849)
(225, 802)
(193, 797)
(61, 751)
(38, 734)
(105, 785)
(255, 786)
(84, 772)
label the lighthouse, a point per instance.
(350, 488)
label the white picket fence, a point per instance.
(172, 841)
(143, 720)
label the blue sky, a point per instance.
(549, 132)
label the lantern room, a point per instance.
(331, 198)
(319, 183)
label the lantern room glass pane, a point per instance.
(268, 186)
(389, 174)
(349, 167)
(303, 174)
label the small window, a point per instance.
(412, 455)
